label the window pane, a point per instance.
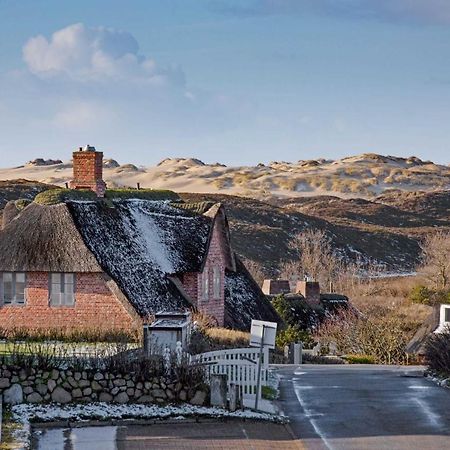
(68, 278)
(55, 289)
(217, 282)
(205, 278)
(20, 277)
(20, 288)
(56, 278)
(8, 292)
(68, 298)
(447, 315)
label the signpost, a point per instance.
(262, 335)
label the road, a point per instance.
(334, 407)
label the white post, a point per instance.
(258, 381)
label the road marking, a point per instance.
(315, 387)
(310, 415)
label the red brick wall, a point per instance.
(95, 307)
(211, 306)
(88, 171)
(190, 284)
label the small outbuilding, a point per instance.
(167, 329)
(436, 322)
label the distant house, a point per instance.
(315, 305)
(92, 258)
(437, 321)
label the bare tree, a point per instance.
(316, 258)
(436, 259)
(256, 270)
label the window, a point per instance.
(12, 288)
(62, 289)
(447, 315)
(205, 284)
(217, 283)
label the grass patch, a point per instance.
(8, 429)
(225, 338)
(268, 392)
(55, 196)
(359, 359)
(141, 194)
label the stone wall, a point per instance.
(68, 386)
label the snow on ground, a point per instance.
(27, 413)
(440, 380)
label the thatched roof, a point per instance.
(141, 245)
(244, 299)
(416, 344)
(44, 238)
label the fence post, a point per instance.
(218, 385)
(258, 381)
(1, 416)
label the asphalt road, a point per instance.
(365, 407)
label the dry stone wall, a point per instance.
(68, 386)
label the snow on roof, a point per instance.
(244, 300)
(140, 243)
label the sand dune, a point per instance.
(366, 175)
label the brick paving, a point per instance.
(214, 435)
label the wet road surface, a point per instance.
(346, 407)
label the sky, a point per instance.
(236, 82)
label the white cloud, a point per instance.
(84, 54)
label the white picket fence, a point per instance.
(239, 364)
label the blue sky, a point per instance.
(239, 82)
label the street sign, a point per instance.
(261, 328)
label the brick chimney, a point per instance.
(276, 287)
(310, 290)
(88, 170)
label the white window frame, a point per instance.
(445, 309)
(205, 284)
(13, 301)
(61, 296)
(217, 282)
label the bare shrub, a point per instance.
(436, 261)
(437, 352)
(378, 333)
(69, 334)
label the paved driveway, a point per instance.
(365, 407)
(229, 435)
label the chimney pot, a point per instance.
(88, 170)
(310, 290)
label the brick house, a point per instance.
(110, 263)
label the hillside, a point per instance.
(364, 176)
(387, 233)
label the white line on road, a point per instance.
(309, 414)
